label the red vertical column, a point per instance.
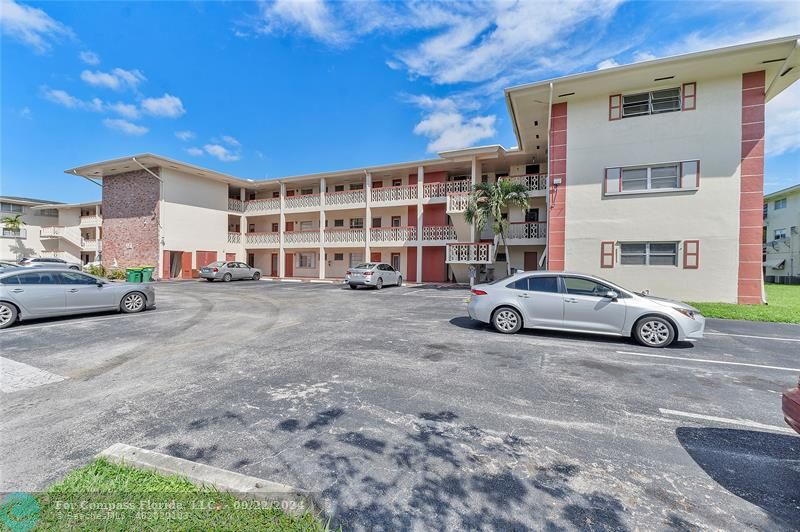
(751, 193)
(557, 171)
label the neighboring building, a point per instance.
(69, 232)
(782, 236)
(648, 174)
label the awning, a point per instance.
(775, 264)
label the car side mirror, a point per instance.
(611, 294)
(100, 283)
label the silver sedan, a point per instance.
(582, 303)
(27, 294)
(377, 274)
(229, 271)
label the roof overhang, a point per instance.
(783, 192)
(66, 205)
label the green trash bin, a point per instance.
(147, 274)
(133, 275)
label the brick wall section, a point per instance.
(558, 194)
(130, 220)
(751, 195)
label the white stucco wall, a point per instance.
(711, 133)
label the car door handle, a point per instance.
(17, 290)
(72, 290)
(526, 296)
(570, 300)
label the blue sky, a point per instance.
(268, 89)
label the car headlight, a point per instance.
(686, 312)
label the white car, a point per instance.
(376, 274)
(47, 262)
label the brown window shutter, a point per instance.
(607, 254)
(689, 95)
(691, 254)
(615, 107)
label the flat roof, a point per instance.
(67, 205)
(26, 201)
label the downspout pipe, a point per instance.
(160, 258)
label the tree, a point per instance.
(486, 205)
(14, 223)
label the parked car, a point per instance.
(791, 407)
(229, 271)
(47, 262)
(582, 303)
(45, 292)
(377, 274)
(5, 266)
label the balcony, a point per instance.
(470, 253)
(265, 240)
(235, 205)
(14, 233)
(441, 190)
(262, 206)
(532, 183)
(438, 233)
(301, 238)
(70, 234)
(345, 237)
(402, 193)
(91, 221)
(526, 231)
(396, 236)
(234, 238)
(88, 244)
(306, 201)
(457, 202)
(345, 199)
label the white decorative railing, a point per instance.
(345, 197)
(262, 205)
(14, 233)
(438, 232)
(344, 236)
(301, 202)
(91, 220)
(301, 237)
(441, 190)
(55, 254)
(527, 230)
(457, 201)
(393, 234)
(51, 231)
(88, 244)
(260, 239)
(234, 238)
(470, 253)
(400, 193)
(235, 205)
(530, 182)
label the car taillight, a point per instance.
(477, 292)
(349, 272)
(215, 270)
(367, 274)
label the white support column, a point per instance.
(322, 261)
(420, 207)
(97, 227)
(243, 225)
(368, 219)
(281, 230)
(476, 170)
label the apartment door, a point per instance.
(289, 226)
(274, 265)
(532, 215)
(396, 261)
(289, 264)
(251, 260)
(375, 256)
(531, 261)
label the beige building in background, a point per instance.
(782, 236)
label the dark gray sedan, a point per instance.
(42, 293)
(229, 271)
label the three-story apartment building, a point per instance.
(782, 235)
(648, 174)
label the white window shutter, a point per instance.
(613, 182)
(690, 174)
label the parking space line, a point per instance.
(708, 361)
(22, 327)
(724, 420)
(16, 376)
(777, 338)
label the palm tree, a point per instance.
(486, 205)
(14, 223)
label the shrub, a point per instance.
(116, 274)
(96, 269)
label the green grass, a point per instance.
(783, 306)
(106, 496)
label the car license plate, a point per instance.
(204, 270)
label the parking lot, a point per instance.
(398, 411)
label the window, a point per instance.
(338, 223)
(537, 284)
(305, 260)
(376, 222)
(356, 258)
(356, 223)
(377, 184)
(396, 221)
(14, 279)
(780, 204)
(53, 213)
(356, 186)
(765, 211)
(13, 232)
(232, 265)
(275, 226)
(76, 278)
(306, 191)
(532, 169)
(276, 194)
(650, 103)
(11, 207)
(584, 287)
(306, 225)
(338, 256)
(780, 234)
(649, 253)
(37, 278)
(649, 178)
(653, 178)
(251, 228)
(397, 182)
(338, 188)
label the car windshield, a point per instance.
(216, 264)
(365, 266)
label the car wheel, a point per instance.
(133, 302)
(227, 277)
(507, 320)
(653, 331)
(353, 287)
(256, 276)
(8, 315)
(399, 281)
(379, 283)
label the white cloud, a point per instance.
(89, 57)
(62, 98)
(221, 152)
(194, 151)
(167, 106)
(25, 112)
(31, 26)
(639, 57)
(782, 119)
(124, 126)
(128, 110)
(117, 79)
(185, 135)
(607, 63)
(311, 16)
(231, 141)
(451, 130)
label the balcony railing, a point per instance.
(14, 233)
(531, 182)
(470, 253)
(393, 234)
(234, 238)
(457, 201)
(261, 239)
(345, 197)
(441, 190)
(306, 201)
(399, 193)
(345, 236)
(438, 232)
(51, 231)
(91, 220)
(262, 205)
(301, 237)
(527, 230)
(235, 205)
